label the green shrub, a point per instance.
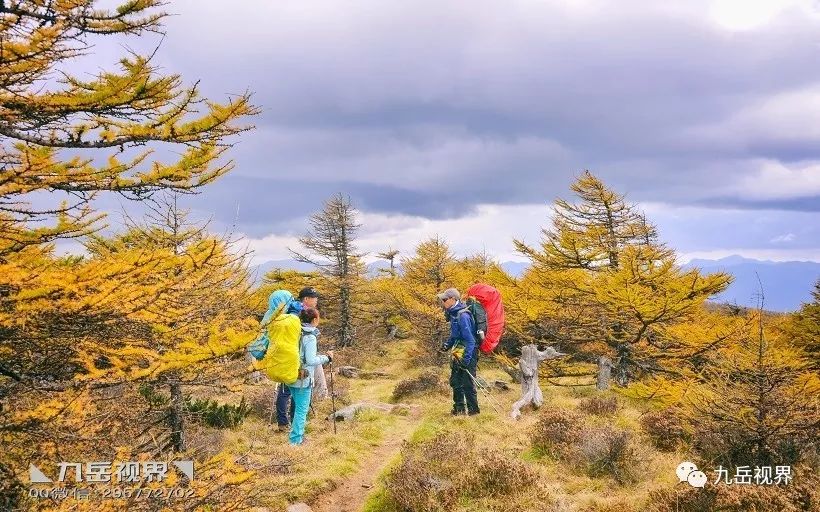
(150, 394)
(211, 413)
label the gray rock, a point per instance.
(350, 412)
(351, 372)
(299, 507)
(500, 384)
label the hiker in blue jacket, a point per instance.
(308, 360)
(308, 298)
(464, 350)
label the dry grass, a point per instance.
(427, 381)
(437, 474)
(499, 445)
(802, 495)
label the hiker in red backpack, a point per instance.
(463, 347)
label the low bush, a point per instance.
(556, 431)
(608, 452)
(428, 380)
(497, 473)
(665, 429)
(801, 495)
(439, 473)
(599, 405)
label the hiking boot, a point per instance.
(473, 413)
(458, 412)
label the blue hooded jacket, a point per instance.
(461, 331)
(310, 359)
(275, 301)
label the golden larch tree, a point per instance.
(607, 290)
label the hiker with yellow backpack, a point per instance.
(285, 406)
(285, 353)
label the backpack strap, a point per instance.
(301, 348)
(467, 310)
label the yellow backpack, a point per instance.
(281, 361)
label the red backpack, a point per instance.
(490, 300)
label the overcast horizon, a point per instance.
(468, 120)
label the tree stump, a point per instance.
(528, 364)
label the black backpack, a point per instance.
(479, 315)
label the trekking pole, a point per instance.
(332, 396)
(487, 393)
(273, 405)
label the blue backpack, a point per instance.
(259, 346)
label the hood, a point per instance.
(278, 300)
(312, 329)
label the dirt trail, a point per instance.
(352, 493)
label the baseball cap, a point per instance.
(449, 293)
(308, 292)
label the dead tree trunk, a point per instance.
(176, 412)
(530, 390)
(604, 373)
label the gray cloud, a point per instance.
(429, 108)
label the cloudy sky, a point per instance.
(467, 119)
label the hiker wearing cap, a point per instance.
(308, 298)
(464, 350)
(309, 360)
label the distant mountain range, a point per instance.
(786, 284)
